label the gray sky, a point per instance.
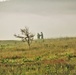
(55, 18)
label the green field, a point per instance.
(48, 57)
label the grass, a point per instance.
(48, 57)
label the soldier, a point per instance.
(38, 36)
(42, 35)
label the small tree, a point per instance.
(28, 36)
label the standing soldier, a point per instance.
(42, 35)
(38, 36)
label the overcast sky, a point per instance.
(55, 18)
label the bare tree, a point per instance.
(28, 36)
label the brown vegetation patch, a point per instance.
(55, 61)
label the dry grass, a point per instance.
(53, 56)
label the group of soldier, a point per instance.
(40, 36)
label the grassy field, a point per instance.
(48, 57)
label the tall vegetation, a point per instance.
(52, 57)
(26, 36)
